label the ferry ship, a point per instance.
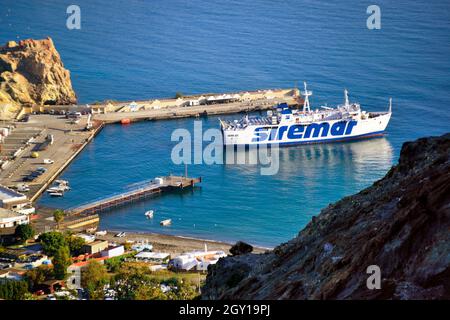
(285, 126)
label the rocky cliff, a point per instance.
(31, 72)
(400, 224)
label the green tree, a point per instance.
(13, 290)
(52, 241)
(149, 291)
(38, 275)
(94, 278)
(61, 261)
(24, 232)
(130, 280)
(181, 290)
(75, 244)
(58, 216)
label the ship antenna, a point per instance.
(306, 94)
(346, 98)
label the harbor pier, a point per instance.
(110, 111)
(144, 190)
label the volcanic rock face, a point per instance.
(31, 72)
(400, 224)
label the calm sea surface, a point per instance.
(146, 49)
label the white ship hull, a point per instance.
(316, 132)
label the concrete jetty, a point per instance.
(157, 186)
(181, 107)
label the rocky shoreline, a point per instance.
(400, 224)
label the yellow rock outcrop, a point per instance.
(32, 73)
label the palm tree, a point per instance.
(58, 216)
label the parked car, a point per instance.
(35, 174)
(73, 115)
(41, 169)
(48, 161)
(28, 178)
(23, 188)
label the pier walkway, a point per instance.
(142, 191)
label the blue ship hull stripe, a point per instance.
(337, 139)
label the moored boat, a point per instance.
(166, 222)
(285, 126)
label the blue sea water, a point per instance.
(129, 50)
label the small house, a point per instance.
(94, 247)
(112, 252)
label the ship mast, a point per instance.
(346, 102)
(306, 94)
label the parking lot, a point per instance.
(32, 136)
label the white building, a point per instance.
(113, 252)
(11, 219)
(200, 260)
(184, 262)
(146, 256)
(86, 237)
(157, 267)
(13, 200)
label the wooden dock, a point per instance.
(144, 190)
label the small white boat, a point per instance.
(56, 194)
(166, 222)
(120, 235)
(59, 186)
(101, 233)
(149, 214)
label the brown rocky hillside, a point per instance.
(401, 224)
